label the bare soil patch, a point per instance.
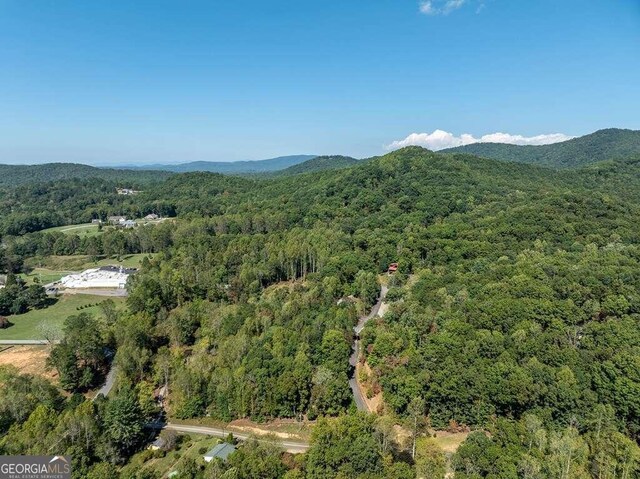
(281, 428)
(29, 360)
(374, 403)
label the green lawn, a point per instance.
(85, 229)
(43, 276)
(57, 264)
(89, 229)
(26, 326)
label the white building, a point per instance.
(110, 277)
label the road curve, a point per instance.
(294, 447)
(108, 383)
(291, 446)
(358, 395)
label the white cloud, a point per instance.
(437, 7)
(452, 5)
(427, 8)
(439, 140)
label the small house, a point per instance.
(96, 221)
(158, 444)
(116, 220)
(393, 267)
(126, 191)
(129, 224)
(221, 451)
(151, 217)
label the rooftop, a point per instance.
(222, 451)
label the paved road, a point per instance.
(358, 395)
(108, 383)
(289, 445)
(26, 342)
(292, 446)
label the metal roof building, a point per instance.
(221, 451)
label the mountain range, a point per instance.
(608, 144)
(230, 167)
(602, 145)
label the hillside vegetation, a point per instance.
(515, 313)
(13, 175)
(320, 163)
(602, 145)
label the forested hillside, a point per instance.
(515, 313)
(13, 175)
(34, 207)
(319, 163)
(602, 145)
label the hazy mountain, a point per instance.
(602, 145)
(232, 167)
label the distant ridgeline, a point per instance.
(602, 145)
(233, 167)
(610, 144)
(319, 163)
(14, 175)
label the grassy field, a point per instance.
(64, 264)
(43, 276)
(450, 442)
(160, 464)
(90, 229)
(26, 326)
(85, 229)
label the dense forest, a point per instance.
(515, 313)
(35, 207)
(319, 163)
(12, 175)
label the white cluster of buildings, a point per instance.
(122, 221)
(111, 277)
(127, 191)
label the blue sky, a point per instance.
(171, 81)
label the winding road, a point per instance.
(289, 445)
(358, 395)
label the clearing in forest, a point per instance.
(28, 360)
